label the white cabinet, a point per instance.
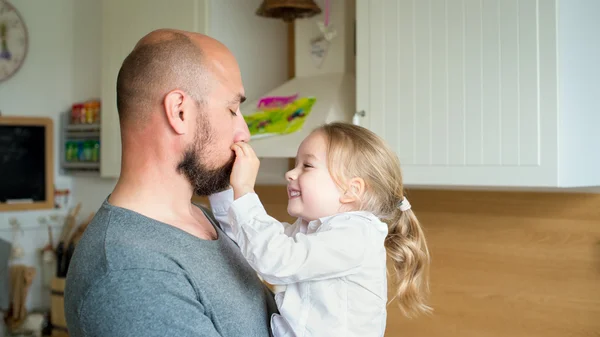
(123, 24)
(484, 92)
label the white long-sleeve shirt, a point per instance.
(334, 268)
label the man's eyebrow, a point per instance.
(238, 99)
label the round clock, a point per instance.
(13, 40)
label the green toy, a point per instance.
(279, 120)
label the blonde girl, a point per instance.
(353, 219)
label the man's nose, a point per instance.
(241, 133)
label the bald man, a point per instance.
(151, 263)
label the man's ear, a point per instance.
(176, 115)
(355, 190)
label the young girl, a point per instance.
(346, 191)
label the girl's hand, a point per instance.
(245, 169)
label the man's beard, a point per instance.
(204, 181)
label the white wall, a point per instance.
(259, 44)
(43, 87)
(89, 189)
(260, 47)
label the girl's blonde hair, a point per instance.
(354, 151)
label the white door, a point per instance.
(123, 24)
(459, 90)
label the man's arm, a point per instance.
(144, 303)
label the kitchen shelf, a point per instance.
(81, 165)
(74, 134)
(83, 128)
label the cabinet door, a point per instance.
(463, 90)
(123, 24)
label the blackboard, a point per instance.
(26, 163)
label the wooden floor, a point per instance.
(504, 263)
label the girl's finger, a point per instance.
(250, 151)
(238, 150)
(246, 148)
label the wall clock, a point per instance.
(13, 40)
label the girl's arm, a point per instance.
(219, 205)
(221, 202)
(336, 251)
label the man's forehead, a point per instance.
(229, 78)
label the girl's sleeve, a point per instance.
(337, 250)
(220, 203)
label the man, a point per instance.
(151, 263)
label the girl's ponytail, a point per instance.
(407, 250)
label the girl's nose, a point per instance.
(291, 175)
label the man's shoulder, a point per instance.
(132, 241)
(119, 240)
(119, 251)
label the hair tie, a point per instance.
(403, 205)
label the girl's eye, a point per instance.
(233, 112)
(307, 166)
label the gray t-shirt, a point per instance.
(134, 276)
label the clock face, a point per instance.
(13, 40)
